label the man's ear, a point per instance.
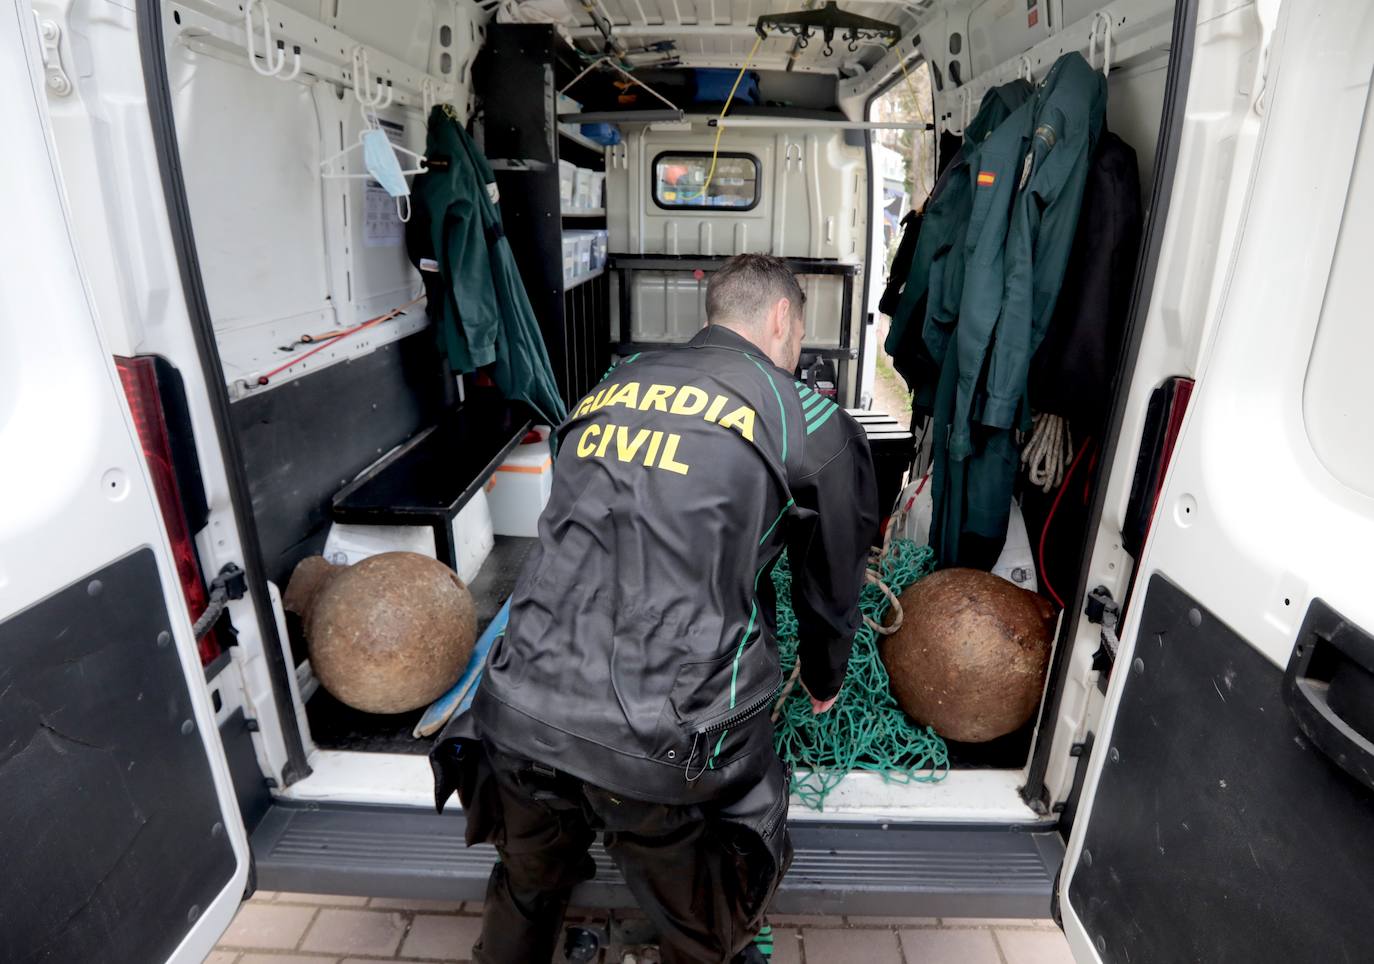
(780, 318)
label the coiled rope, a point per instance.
(1048, 452)
(866, 729)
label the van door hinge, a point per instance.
(50, 44)
(1102, 610)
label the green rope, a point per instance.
(865, 729)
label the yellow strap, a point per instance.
(720, 128)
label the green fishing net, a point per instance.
(866, 729)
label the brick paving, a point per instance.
(281, 928)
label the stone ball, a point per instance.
(310, 576)
(391, 633)
(970, 656)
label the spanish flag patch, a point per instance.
(986, 178)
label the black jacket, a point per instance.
(640, 654)
(1071, 373)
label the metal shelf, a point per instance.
(584, 212)
(583, 279)
(577, 137)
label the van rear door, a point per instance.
(1228, 813)
(118, 826)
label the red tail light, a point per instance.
(139, 376)
(1163, 422)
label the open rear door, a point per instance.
(1229, 805)
(120, 837)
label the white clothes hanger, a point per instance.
(329, 169)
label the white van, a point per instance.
(1201, 790)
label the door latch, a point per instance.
(1102, 610)
(50, 45)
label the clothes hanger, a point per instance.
(329, 166)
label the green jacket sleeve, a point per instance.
(995, 173)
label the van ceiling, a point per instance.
(720, 33)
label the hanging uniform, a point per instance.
(1016, 256)
(929, 296)
(960, 337)
(447, 244)
(1071, 372)
(639, 663)
(456, 240)
(1070, 108)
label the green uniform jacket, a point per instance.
(1028, 179)
(936, 268)
(1071, 106)
(963, 480)
(477, 299)
(446, 242)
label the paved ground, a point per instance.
(310, 929)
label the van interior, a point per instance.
(350, 429)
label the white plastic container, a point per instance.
(583, 241)
(584, 253)
(474, 536)
(519, 488)
(348, 544)
(567, 183)
(599, 246)
(598, 190)
(582, 189)
(569, 258)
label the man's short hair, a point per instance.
(747, 286)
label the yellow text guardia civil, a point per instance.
(651, 447)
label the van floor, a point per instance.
(334, 726)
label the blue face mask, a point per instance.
(382, 163)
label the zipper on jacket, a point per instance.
(723, 725)
(743, 713)
(779, 807)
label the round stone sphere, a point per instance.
(391, 633)
(970, 656)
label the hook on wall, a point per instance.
(377, 98)
(273, 56)
(1103, 20)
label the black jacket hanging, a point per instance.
(1071, 374)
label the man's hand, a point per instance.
(817, 707)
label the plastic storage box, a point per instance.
(599, 246)
(567, 180)
(347, 544)
(582, 189)
(569, 257)
(520, 487)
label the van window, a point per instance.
(903, 160)
(679, 178)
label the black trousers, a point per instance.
(703, 882)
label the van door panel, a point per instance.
(1220, 820)
(118, 826)
(1214, 804)
(113, 832)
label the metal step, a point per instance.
(840, 868)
